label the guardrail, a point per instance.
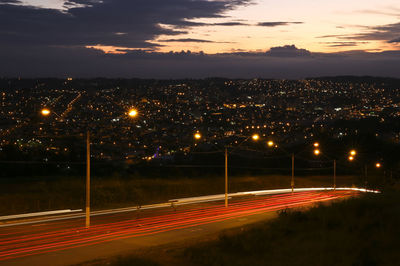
(37, 214)
(74, 214)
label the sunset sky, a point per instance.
(213, 27)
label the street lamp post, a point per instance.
(87, 221)
(226, 177)
(46, 112)
(334, 174)
(292, 181)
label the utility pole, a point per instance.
(88, 179)
(334, 174)
(292, 182)
(226, 177)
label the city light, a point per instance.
(133, 113)
(378, 165)
(317, 152)
(45, 112)
(353, 152)
(316, 144)
(351, 158)
(256, 137)
(270, 143)
(197, 136)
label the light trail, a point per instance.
(152, 219)
(45, 242)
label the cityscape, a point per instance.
(199, 132)
(170, 112)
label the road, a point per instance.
(66, 242)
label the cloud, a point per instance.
(380, 33)
(395, 40)
(231, 23)
(392, 12)
(342, 44)
(10, 2)
(277, 23)
(80, 62)
(288, 51)
(89, 23)
(389, 33)
(187, 40)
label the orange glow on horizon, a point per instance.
(109, 49)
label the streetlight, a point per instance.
(378, 165)
(316, 144)
(353, 153)
(351, 158)
(46, 112)
(197, 136)
(255, 137)
(270, 143)
(133, 112)
(317, 152)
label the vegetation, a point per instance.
(362, 231)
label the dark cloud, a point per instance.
(379, 33)
(46, 42)
(389, 33)
(395, 40)
(187, 40)
(288, 51)
(231, 23)
(97, 22)
(79, 62)
(343, 44)
(277, 23)
(10, 2)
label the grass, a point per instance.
(41, 194)
(363, 231)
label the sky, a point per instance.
(199, 38)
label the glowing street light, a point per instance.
(255, 137)
(45, 112)
(378, 165)
(197, 136)
(133, 113)
(351, 158)
(270, 143)
(317, 152)
(353, 152)
(316, 144)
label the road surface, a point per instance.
(67, 242)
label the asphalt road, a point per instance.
(67, 242)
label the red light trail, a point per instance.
(30, 243)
